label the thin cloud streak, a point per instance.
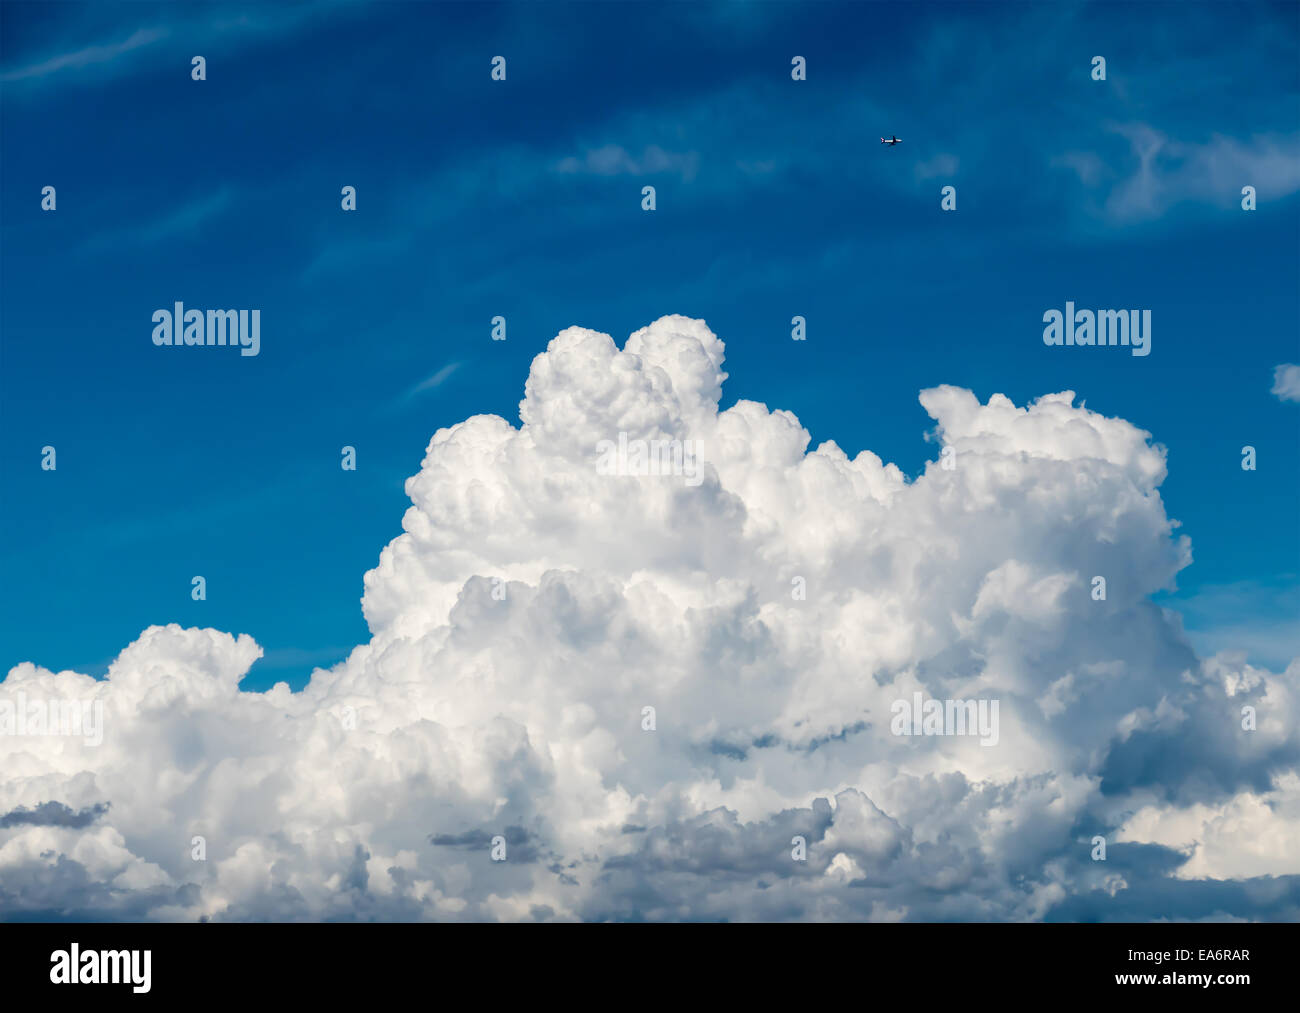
(86, 57)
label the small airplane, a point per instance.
(891, 139)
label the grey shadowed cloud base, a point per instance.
(377, 791)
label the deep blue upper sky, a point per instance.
(522, 199)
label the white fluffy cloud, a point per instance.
(471, 714)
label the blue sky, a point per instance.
(522, 199)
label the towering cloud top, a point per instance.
(643, 692)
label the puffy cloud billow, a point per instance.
(772, 613)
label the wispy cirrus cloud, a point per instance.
(1160, 173)
(180, 222)
(86, 56)
(211, 27)
(433, 382)
(1171, 172)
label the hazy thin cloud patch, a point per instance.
(615, 160)
(940, 165)
(1286, 382)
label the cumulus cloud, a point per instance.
(772, 615)
(1247, 835)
